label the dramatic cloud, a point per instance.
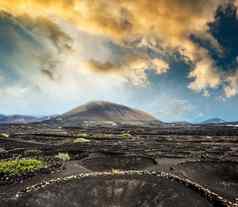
(31, 45)
(56, 50)
(168, 22)
(160, 66)
(205, 76)
(132, 68)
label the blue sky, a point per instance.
(175, 59)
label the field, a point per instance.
(170, 165)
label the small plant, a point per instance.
(125, 135)
(115, 171)
(81, 140)
(63, 156)
(108, 135)
(20, 166)
(4, 135)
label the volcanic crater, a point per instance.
(119, 162)
(129, 189)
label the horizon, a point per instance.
(94, 101)
(182, 66)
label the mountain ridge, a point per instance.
(22, 119)
(213, 121)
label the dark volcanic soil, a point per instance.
(113, 190)
(203, 157)
(108, 163)
(221, 177)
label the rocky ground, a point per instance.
(123, 166)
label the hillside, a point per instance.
(101, 111)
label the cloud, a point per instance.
(132, 70)
(46, 29)
(164, 26)
(205, 76)
(206, 93)
(37, 29)
(231, 88)
(170, 107)
(32, 46)
(160, 66)
(39, 72)
(169, 22)
(131, 67)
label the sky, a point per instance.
(176, 59)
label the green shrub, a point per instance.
(63, 156)
(21, 166)
(4, 135)
(115, 171)
(81, 140)
(125, 135)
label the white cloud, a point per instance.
(160, 66)
(171, 25)
(231, 88)
(205, 76)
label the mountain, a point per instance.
(213, 121)
(2, 117)
(92, 113)
(105, 112)
(22, 119)
(179, 123)
(16, 119)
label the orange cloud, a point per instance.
(205, 76)
(131, 67)
(169, 20)
(168, 23)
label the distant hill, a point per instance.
(214, 121)
(15, 119)
(102, 111)
(22, 119)
(181, 122)
(2, 117)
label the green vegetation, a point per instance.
(4, 135)
(125, 135)
(63, 156)
(115, 171)
(81, 140)
(20, 166)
